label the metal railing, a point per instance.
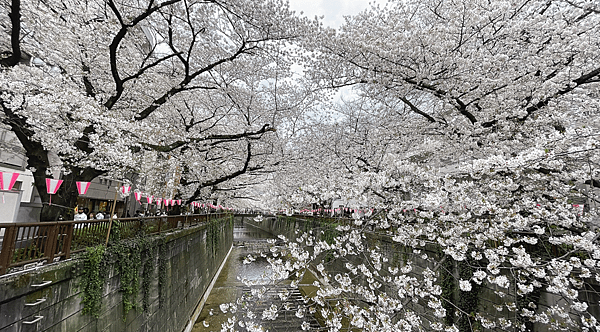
(31, 243)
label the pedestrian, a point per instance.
(80, 216)
(99, 215)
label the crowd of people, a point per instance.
(85, 214)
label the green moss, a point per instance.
(43, 293)
(22, 281)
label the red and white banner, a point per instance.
(125, 190)
(82, 187)
(149, 199)
(158, 201)
(138, 196)
(7, 180)
(178, 202)
(167, 201)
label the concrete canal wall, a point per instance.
(181, 267)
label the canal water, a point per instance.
(249, 240)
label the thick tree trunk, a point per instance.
(61, 203)
(15, 42)
(64, 201)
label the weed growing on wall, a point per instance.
(92, 281)
(212, 235)
(214, 231)
(133, 260)
(128, 258)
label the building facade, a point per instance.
(23, 203)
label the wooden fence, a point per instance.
(31, 243)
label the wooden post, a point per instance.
(112, 212)
(8, 246)
(68, 240)
(51, 242)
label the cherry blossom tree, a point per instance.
(112, 84)
(495, 149)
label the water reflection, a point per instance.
(243, 232)
(257, 272)
(251, 238)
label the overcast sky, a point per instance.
(333, 10)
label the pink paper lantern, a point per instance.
(52, 186)
(82, 187)
(125, 190)
(7, 180)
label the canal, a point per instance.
(228, 288)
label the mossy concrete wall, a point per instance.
(190, 264)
